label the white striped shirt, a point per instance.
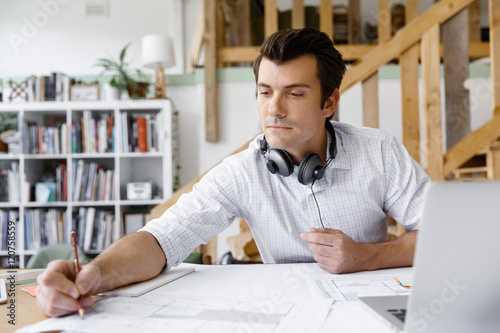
(372, 174)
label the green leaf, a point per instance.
(124, 51)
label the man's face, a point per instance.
(289, 99)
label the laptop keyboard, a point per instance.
(398, 313)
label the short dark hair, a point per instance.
(290, 44)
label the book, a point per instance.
(102, 139)
(78, 180)
(81, 226)
(124, 138)
(142, 134)
(110, 133)
(64, 138)
(85, 179)
(89, 228)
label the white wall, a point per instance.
(42, 36)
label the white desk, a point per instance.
(273, 285)
(290, 280)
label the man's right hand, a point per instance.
(58, 293)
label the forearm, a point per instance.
(395, 253)
(136, 257)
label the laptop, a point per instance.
(456, 274)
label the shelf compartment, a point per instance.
(93, 180)
(45, 132)
(47, 174)
(132, 170)
(93, 131)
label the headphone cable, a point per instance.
(317, 205)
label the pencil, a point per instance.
(77, 269)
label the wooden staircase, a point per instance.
(417, 43)
(480, 167)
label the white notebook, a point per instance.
(140, 288)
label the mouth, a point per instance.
(278, 127)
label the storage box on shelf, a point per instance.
(72, 172)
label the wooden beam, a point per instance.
(401, 41)
(369, 86)
(473, 143)
(238, 53)
(384, 21)
(479, 50)
(495, 162)
(244, 30)
(474, 23)
(298, 14)
(355, 51)
(210, 249)
(220, 31)
(355, 30)
(211, 113)
(408, 62)
(349, 52)
(198, 39)
(411, 10)
(270, 17)
(494, 12)
(326, 17)
(431, 78)
(456, 71)
(370, 101)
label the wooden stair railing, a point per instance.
(472, 144)
(410, 34)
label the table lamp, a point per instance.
(157, 53)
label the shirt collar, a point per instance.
(341, 160)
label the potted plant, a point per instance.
(8, 122)
(135, 82)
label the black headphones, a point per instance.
(310, 168)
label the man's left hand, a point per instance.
(336, 252)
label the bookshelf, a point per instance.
(86, 154)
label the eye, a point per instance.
(295, 94)
(264, 92)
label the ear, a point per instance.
(331, 103)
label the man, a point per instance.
(327, 201)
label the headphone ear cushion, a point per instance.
(311, 168)
(280, 162)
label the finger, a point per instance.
(322, 250)
(87, 281)
(59, 276)
(54, 303)
(326, 230)
(321, 238)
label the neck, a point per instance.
(322, 145)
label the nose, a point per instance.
(276, 107)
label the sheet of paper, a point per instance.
(138, 289)
(30, 290)
(155, 312)
(350, 288)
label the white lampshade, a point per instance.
(157, 51)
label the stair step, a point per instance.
(471, 170)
